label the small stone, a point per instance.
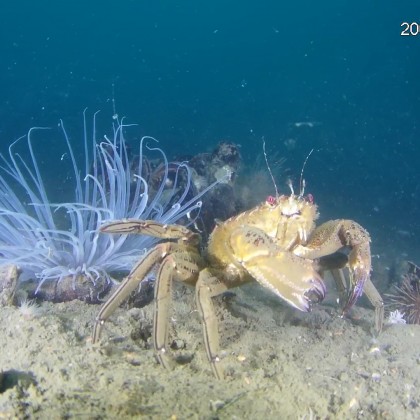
(353, 404)
(344, 376)
(376, 377)
(178, 344)
(216, 405)
(132, 358)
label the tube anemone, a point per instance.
(60, 243)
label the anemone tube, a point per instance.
(32, 236)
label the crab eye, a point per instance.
(271, 200)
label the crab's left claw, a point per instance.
(359, 269)
(359, 262)
(329, 238)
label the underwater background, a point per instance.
(335, 76)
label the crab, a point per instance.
(276, 244)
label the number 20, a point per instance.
(410, 29)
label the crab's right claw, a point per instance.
(290, 277)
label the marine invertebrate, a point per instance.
(406, 297)
(58, 243)
(29, 309)
(396, 318)
(276, 244)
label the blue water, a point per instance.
(192, 73)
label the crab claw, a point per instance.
(292, 278)
(317, 293)
(332, 236)
(359, 268)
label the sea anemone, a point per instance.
(58, 243)
(29, 309)
(406, 297)
(396, 318)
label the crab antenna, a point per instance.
(302, 181)
(302, 188)
(114, 107)
(269, 169)
(290, 185)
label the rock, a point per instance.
(9, 275)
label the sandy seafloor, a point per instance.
(279, 363)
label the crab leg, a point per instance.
(376, 300)
(179, 261)
(151, 228)
(178, 265)
(335, 264)
(371, 293)
(162, 303)
(129, 284)
(207, 287)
